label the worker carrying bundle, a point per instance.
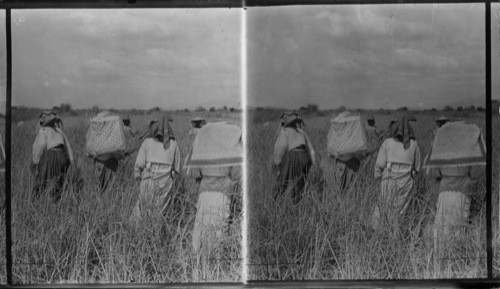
(105, 137)
(457, 160)
(347, 137)
(457, 144)
(218, 144)
(215, 162)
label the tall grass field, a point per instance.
(87, 237)
(3, 272)
(328, 236)
(495, 192)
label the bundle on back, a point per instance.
(216, 144)
(457, 144)
(105, 137)
(347, 137)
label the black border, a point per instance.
(489, 144)
(488, 282)
(253, 3)
(44, 4)
(8, 120)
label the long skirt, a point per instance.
(452, 213)
(154, 193)
(51, 172)
(212, 213)
(347, 171)
(106, 170)
(395, 195)
(293, 173)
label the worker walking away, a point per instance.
(106, 144)
(457, 161)
(51, 158)
(156, 166)
(216, 164)
(397, 165)
(293, 156)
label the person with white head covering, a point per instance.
(51, 157)
(452, 209)
(293, 156)
(455, 176)
(215, 163)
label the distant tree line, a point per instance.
(21, 113)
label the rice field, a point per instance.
(3, 273)
(87, 237)
(495, 193)
(327, 234)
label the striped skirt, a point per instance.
(293, 172)
(395, 194)
(347, 171)
(51, 172)
(154, 191)
(106, 171)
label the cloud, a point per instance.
(110, 57)
(366, 21)
(98, 64)
(340, 25)
(109, 23)
(367, 56)
(416, 58)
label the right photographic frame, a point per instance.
(495, 96)
(366, 134)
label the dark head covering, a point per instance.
(401, 130)
(291, 119)
(160, 126)
(198, 122)
(442, 119)
(370, 117)
(48, 118)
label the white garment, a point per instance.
(213, 209)
(452, 211)
(153, 151)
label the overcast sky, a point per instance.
(367, 56)
(359, 56)
(171, 58)
(495, 49)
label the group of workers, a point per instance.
(396, 165)
(157, 166)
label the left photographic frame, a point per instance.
(3, 88)
(118, 176)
